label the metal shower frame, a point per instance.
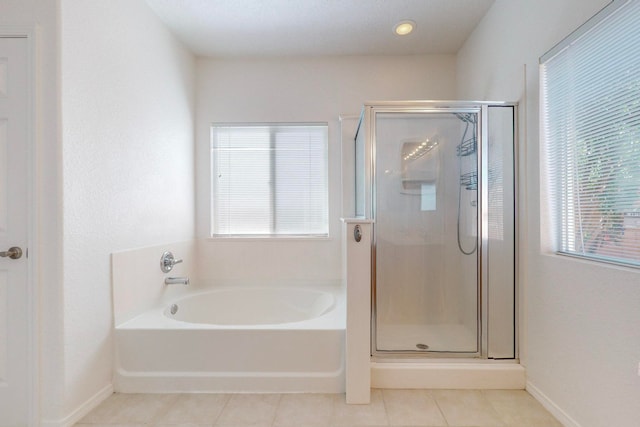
(368, 125)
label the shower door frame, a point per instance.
(480, 108)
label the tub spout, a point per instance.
(176, 281)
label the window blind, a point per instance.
(269, 179)
(591, 128)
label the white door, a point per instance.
(14, 308)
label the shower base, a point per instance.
(455, 338)
(448, 374)
(407, 365)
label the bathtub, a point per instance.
(239, 339)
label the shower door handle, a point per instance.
(357, 233)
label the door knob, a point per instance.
(13, 253)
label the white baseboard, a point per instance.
(550, 406)
(82, 410)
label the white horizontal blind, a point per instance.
(591, 126)
(269, 179)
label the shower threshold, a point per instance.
(447, 373)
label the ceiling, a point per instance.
(223, 28)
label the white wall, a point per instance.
(292, 90)
(580, 319)
(127, 129)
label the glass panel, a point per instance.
(360, 170)
(426, 232)
(501, 232)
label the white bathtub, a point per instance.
(252, 306)
(241, 339)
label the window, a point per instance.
(591, 126)
(269, 180)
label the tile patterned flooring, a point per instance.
(396, 408)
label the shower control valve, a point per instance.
(167, 261)
(357, 233)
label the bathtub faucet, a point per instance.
(176, 281)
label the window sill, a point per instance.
(596, 262)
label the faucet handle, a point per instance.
(167, 261)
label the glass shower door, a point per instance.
(426, 220)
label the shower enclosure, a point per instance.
(438, 180)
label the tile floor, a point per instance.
(397, 408)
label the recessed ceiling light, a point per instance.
(403, 28)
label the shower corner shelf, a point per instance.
(469, 180)
(466, 148)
